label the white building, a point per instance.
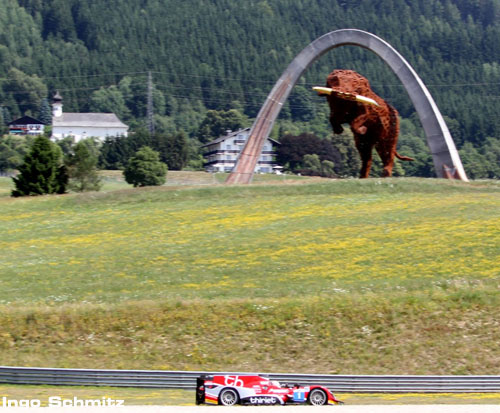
(84, 125)
(26, 126)
(221, 154)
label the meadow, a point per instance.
(394, 276)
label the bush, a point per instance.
(13, 149)
(145, 168)
(309, 155)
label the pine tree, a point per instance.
(42, 171)
(82, 167)
(7, 118)
(173, 149)
(45, 112)
(2, 124)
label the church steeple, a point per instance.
(57, 105)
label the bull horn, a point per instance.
(323, 90)
(344, 95)
(364, 99)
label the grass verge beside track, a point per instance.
(159, 397)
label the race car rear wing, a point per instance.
(200, 388)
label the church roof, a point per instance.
(97, 120)
(57, 97)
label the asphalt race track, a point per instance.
(449, 408)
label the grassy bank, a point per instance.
(447, 332)
(395, 276)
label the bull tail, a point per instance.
(403, 158)
(394, 131)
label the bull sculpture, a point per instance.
(374, 123)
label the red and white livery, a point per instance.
(229, 390)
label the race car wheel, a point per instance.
(318, 397)
(228, 397)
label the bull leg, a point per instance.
(365, 152)
(336, 126)
(359, 125)
(387, 156)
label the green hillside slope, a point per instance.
(377, 276)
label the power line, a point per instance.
(167, 87)
(205, 89)
(239, 80)
(81, 76)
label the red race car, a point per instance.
(257, 390)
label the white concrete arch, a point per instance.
(447, 162)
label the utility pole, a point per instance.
(151, 125)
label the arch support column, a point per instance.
(445, 156)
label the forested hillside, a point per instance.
(223, 54)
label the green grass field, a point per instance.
(114, 180)
(394, 276)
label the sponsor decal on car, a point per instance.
(263, 400)
(299, 395)
(233, 381)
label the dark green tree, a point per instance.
(314, 166)
(45, 112)
(109, 100)
(491, 155)
(311, 165)
(117, 150)
(473, 161)
(7, 118)
(67, 146)
(327, 169)
(58, 20)
(13, 149)
(27, 90)
(82, 167)
(173, 149)
(293, 149)
(217, 122)
(42, 172)
(135, 95)
(3, 128)
(145, 168)
(300, 104)
(348, 162)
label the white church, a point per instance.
(84, 125)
